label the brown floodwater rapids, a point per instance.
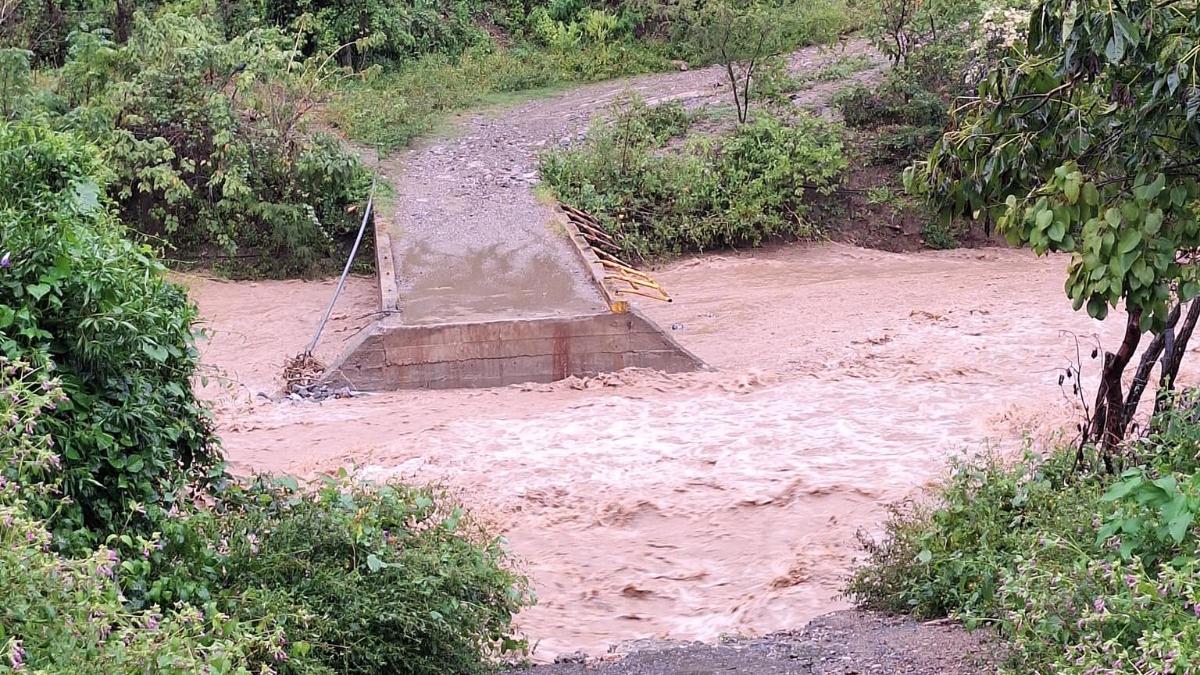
(688, 506)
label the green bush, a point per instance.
(78, 298)
(208, 144)
(896, 102)
(361, 579)
(732, 191)
(402, 30)
(68, 615)
(939, 234)
(1080, 573)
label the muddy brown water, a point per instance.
(691, 506)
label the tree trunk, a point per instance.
(733, 84)
(1106, 427)
(1142, 377)
(1174, 357)
(124, 21)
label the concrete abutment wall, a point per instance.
(391, 355)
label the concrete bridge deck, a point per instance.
(483, 284)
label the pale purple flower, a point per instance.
(1099, 605)
(16, 657)
(6, 261)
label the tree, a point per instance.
(1086, 140)
(740, 36)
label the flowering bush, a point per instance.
(82, 303)
(62, 614)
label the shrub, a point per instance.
(896, 102)
(939, 234)
(733, 191)
(68, 615)
(1081, 573)
(361, 579)
(402, 30)
(79, 299)
(208, 144)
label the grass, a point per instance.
(388, 110)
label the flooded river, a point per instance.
(688, 506)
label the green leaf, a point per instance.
(85, 197)
(1091, 196)
(374, 563)
(1122, 489)
(1057, 230)
(1115, 51)
(38, 291)
(155, 352)
(1143, 273)
(1125, 28)
(924, 557)
(1153, 222)
(1113, 216)
(1130, 239)
(1097, 308)
(1178, 195)
(1178, 526)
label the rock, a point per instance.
(571, 657)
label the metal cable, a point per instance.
(345, 272)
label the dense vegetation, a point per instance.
(710, 193)
(1083, 139)
(126, 548)
(91, 312)
(630, 180)
(207, 112)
